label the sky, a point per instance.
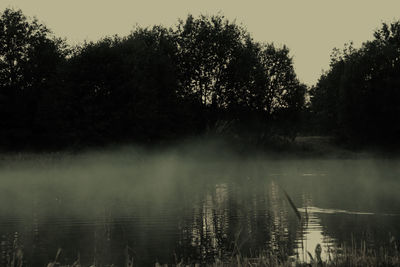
(310, 28)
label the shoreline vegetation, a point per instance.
(205, 76)
(346, 256)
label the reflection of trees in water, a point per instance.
(284, 224)
(239, 218)
(204, 235)
(196, 222)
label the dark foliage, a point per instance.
(206, 76)
(29, 58)
(157, 84)
(358, 98)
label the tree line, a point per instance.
(206, 75)
(358, 98)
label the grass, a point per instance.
(352, 256)
(346, 256)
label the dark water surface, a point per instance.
(169, 208)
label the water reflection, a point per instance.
(228, 221)
(312, 234)
(200, 219)
(209, 227)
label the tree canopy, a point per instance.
(358, 98)
(154, 84)
(205, 75)
(232, 76)
(29, 56)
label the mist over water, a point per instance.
(192, 203)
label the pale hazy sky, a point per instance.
(310, 28)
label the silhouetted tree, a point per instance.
(359, 95)
(29, 56)
(123, 88)
(262, 81)
(154, 84)
(227, 72)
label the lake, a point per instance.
(173, 206)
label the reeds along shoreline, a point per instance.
(342, 256)
(351, 256)
(354, 255)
